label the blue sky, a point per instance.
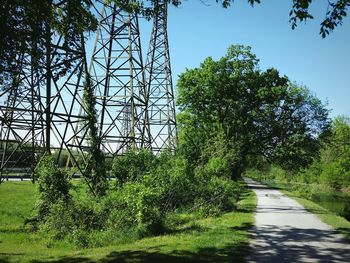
(197, 31)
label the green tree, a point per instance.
(335, 156)
(260, 112)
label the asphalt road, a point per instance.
(285, 232)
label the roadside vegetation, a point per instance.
(190, 237)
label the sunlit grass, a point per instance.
(193, 239)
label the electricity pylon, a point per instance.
(161, 102)
(39, 110)
(43, 111)
(117, 75)
(22, 129)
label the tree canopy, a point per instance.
(259, 112)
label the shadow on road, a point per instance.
(290, 244)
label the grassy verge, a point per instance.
(329, 217)
(221, 239)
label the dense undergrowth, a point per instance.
(189, 236)
(141, 200)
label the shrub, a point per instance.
(53, 186)
(59, 222)
(132, 165)
(215, 195)
(217, 166)
(330, 175)
(174, 180)
(136, 205)
(89, 214)
(148, 188)
(77, 221)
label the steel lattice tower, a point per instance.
(67, 109)
(118, 80)
(43, 110)
(161, 102)
(22, 119)
(39, 111)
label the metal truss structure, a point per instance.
(117, 73)
(39, 111)
(42, 111)
(161, 101)
(22, 129)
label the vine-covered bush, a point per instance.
(53, 186)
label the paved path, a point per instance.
(285, 232)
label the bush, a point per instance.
(217, 166)
(174, 180)
(53, 186)
(132, 165)
(331, 174)
(148, 188)
(78, 221)
(89, 214)
(136, 205)
(59, 222)
(215, 195)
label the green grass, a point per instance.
(221, 239)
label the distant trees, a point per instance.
(259, 113)
(326, 180)
(334, 164)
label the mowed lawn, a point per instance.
(220, 239)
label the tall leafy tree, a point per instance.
(335, 157)
(260, 112)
